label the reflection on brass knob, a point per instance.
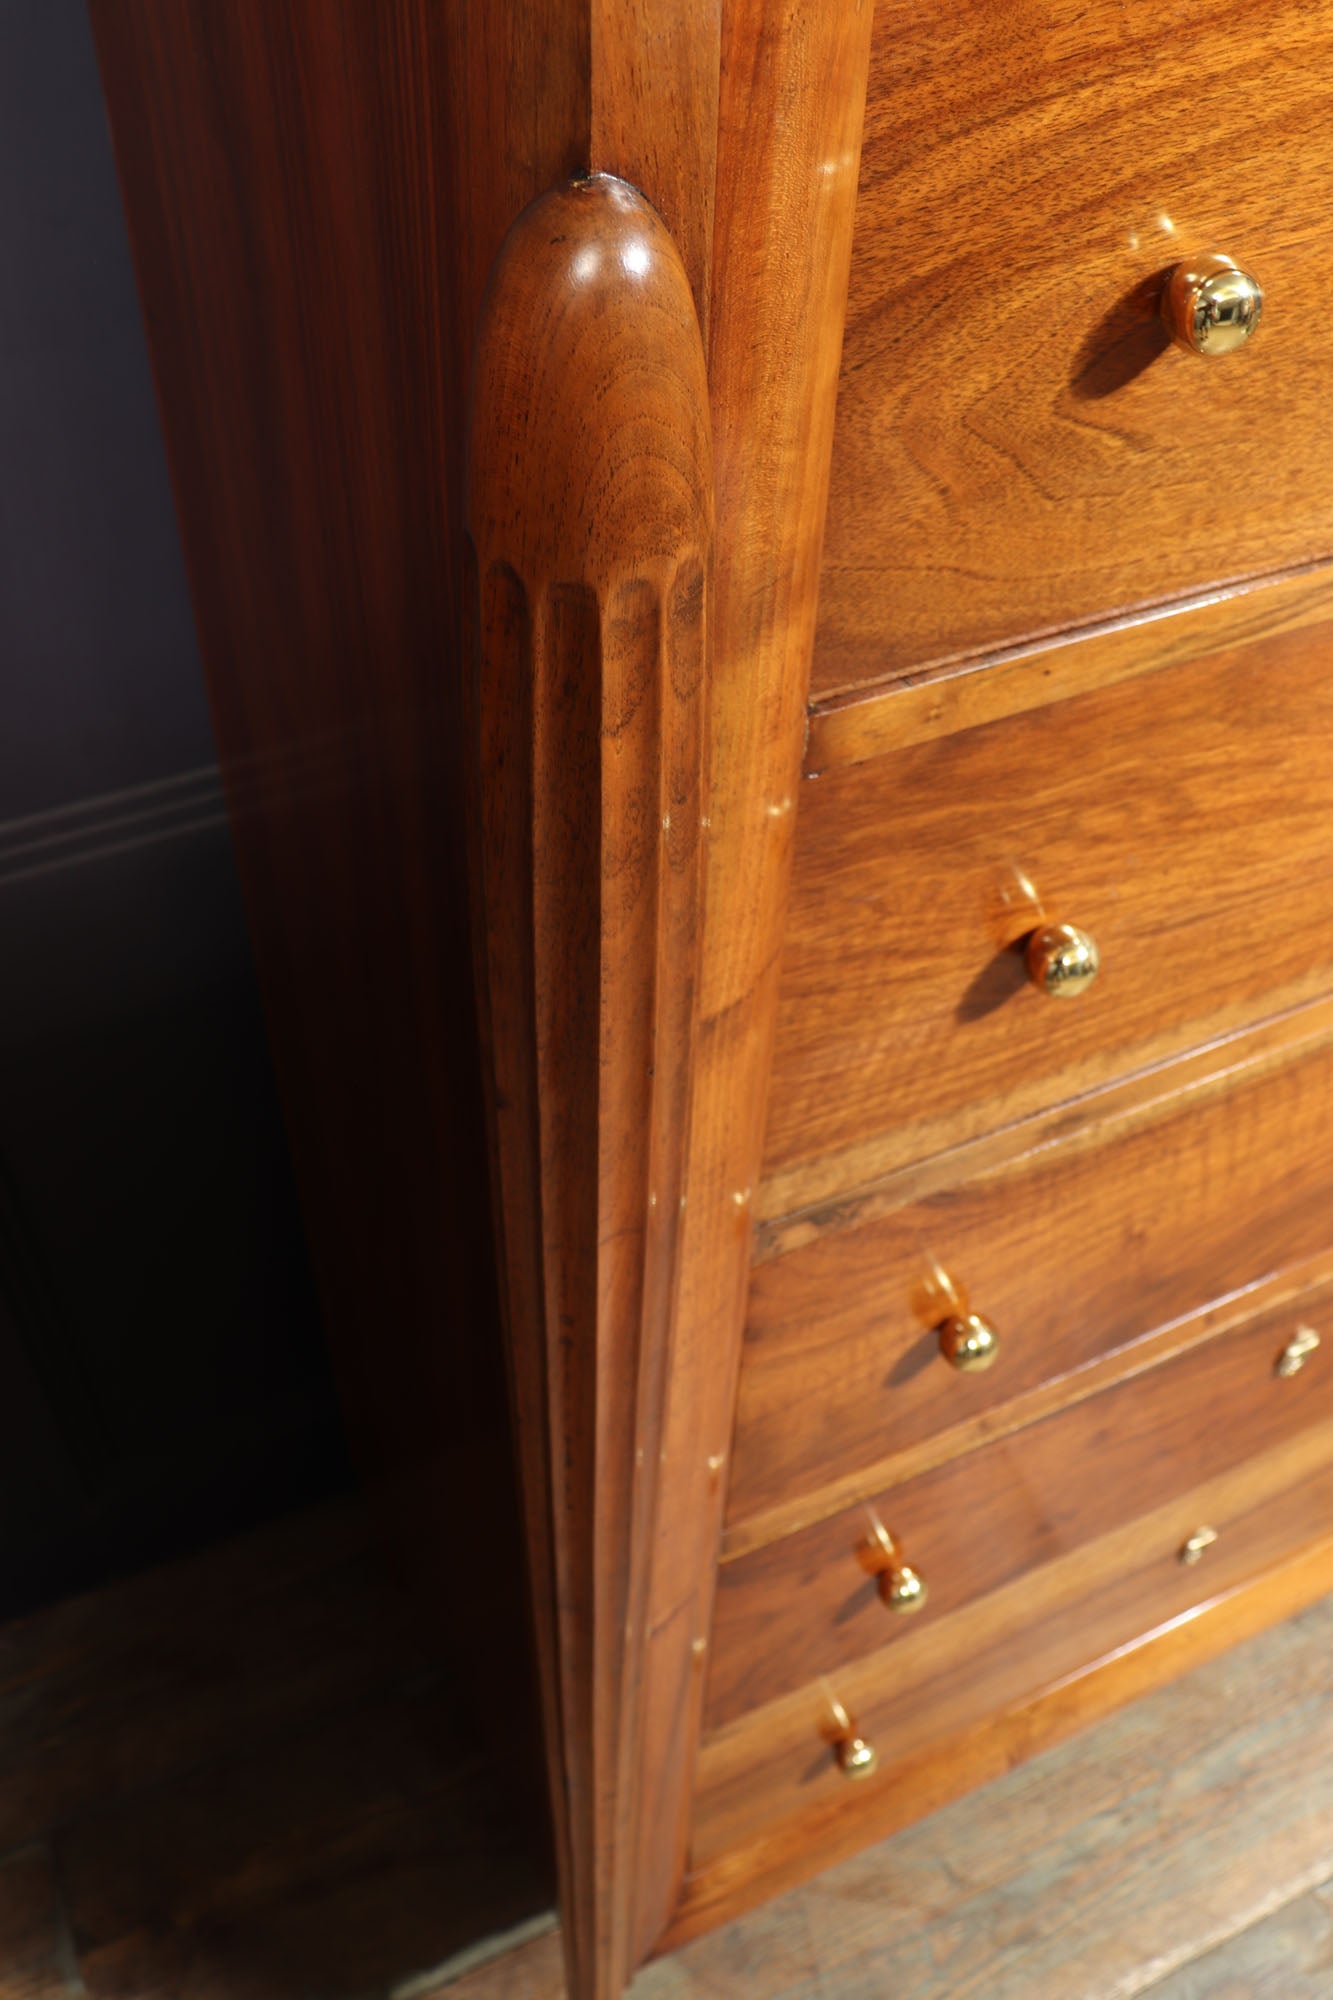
(1062, 960)
(1297, 1351)
(902, 1589)
(1211, 306)
(899, 1584)
(1199, 1541)
(856, 1757)
(968, 1342)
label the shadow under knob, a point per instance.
(968, 1342)
(1210, 305)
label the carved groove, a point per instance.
(589, 510)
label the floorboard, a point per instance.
(1289, 1956)
(239, 1779)
(1177, 1842)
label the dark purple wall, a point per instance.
(162, 1374)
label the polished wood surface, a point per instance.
(1131, 1097)
(1008, 1414)
(943, 1677)
(863, 723)
(312, 335)
(925, 1691)
(906, 1017)
(655, 77)
(1185, 1845)
(590, 522)
(808, 1603)
(768, 1819)
(793, 88)
(1018, 448)
(1071, 1252)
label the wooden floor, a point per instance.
(1183, 1850)
(239, 1779)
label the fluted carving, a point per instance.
(589, 514)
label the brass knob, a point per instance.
(902, 1589)
(1296, 1352)
(1193, 1550)
(900, 1586)
(968, 1342)
(1210, 305)
(856, 1757)
(1062, 960)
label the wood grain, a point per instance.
(1017, 450)
(1154, 1837)
(1180, 1843)
(1001, 1418)
(655, 79)
(738, 1868)
(868, 722)
(1070, 1253)
(906, 1020)
(590, 518)
(792, 97)
(1082, 1121)
(1285, 1956)
(920, 1691)
(316, 195)
(809, 1603)
(534, 1972)
(315, 191)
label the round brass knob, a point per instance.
(1296, 1352)
(1196, 1546)
(899, 1584)
(968, 1342)
(856, 1757)
(902, 1589)
(1210, 305)
(1062, 960)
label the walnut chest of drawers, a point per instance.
(862, 649)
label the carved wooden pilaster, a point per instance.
(589, 516)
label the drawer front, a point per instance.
(807, 1605)
(1182, 820)
(1016, 448)
(959, 1701)
(1079, 1249)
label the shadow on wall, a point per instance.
(162, 1372)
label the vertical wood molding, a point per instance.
(313, 409)
(590, 517)
(655, 79)
(792, 104)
